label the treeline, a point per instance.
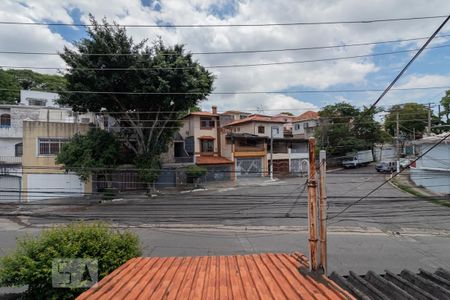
(12, 81)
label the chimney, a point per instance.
(214, 109)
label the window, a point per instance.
(306, 125)
(261, 129)
(36, 102)
(18, 149)
(297, 126)
(275, 130)
(207, 145)
(206, 123)
(50, 146)
(5, 120)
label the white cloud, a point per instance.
(271, 78)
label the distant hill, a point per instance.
(14, 80)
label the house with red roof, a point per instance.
(304, 125)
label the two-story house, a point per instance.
(203, 140)
(304, 125)
(33, 107)
(252, 139)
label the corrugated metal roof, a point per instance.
(406, 285)
(257, 276)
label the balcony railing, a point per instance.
(11, 160)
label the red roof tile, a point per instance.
(257, 276)
(308, 115)
(254, 118)
(211, 160)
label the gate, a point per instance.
(249, 167)
(10, 188)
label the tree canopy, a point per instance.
(344, 128)
(412, 118)
(145, 88)
(97, 151)
(445, 102)
(15, 80)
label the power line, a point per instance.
(389, 179)
(165, 25)
(409, 63)
(236, 51)
(232, 93)
(224, 66)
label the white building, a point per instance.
(34, 106)
(304, 125)
(432, 171)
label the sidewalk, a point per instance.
(404, 183)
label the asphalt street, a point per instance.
(388, 230)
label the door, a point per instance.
(10, 188)
(249, 167)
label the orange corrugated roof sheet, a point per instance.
(257, 276)
(211, 160)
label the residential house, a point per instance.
(34, 106)
(202, 139)
(231, 116)
(251, 139)
(432, 170)
(304, 125)
(42, 178)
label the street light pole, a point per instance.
(271, 152)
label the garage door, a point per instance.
(49, 186)
(281, 167)
(9, 188)
(249, 167)
(299, 167)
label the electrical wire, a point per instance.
(368, 21)
(133, 69)
(344, 45)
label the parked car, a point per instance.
(360, 158)
(386, 166)
(404, 162)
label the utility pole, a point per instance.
(429, 120)
(323, 212)
(271, 153)
(397, 139)
(312, 206)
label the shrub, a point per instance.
(31, 263)
(195, 171)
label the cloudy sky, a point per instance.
(431, 69)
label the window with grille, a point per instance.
(50, 146)
(5, 120)
(261, 129)
(206, 123)
(207, 146)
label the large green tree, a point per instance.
(96, 152)
(12, 81)
(445, 102)
(9, 88)
(412, 118)
(344, 128)
(145, 88)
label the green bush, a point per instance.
(195, 171)
(31, 263)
